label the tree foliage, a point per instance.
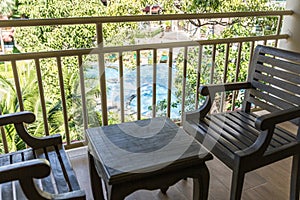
(236, 27)
(58, 37)
(6, 7)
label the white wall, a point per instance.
(291, 26)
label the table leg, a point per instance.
(96, 182)
(117, 192)
(201, 184)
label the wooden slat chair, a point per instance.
(243, 140)
(40, 172)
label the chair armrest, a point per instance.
(214, 88)
(266, 124)
(37, 142)
(25, 172)
(36, 168)
(18, 117)
(270, 120)
(211, 90)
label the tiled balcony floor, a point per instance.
(270, 182)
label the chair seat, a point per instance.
(61, 180)
(42, 171)
(235, 131)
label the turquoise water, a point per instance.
(146, 87)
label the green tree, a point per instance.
(6, 7)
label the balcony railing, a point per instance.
(157, 54)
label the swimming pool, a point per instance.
(146, 88)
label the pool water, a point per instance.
(146, 87)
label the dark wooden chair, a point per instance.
(244, 140)
(42, 171)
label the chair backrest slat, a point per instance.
(289, 66)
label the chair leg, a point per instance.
(295, 178)
(164, 190)
(237, 184)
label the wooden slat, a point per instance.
(18, 192)
(62, 178)
(214, 131)
(237, 136)
(271, 99)
(250, 126)
(6, 188)
(28, 154)
(70, 175)
(216, 146)
(237, 119)
(47, 184)
(262, 104)
(244, 123)
(283, 136)
(57, 170)
(229, 134)
(293, 78)
(276, 140)
(290, 67)
(279, 83)
(276, 92)
(234, 130)
(280, 53)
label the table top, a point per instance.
(139, 148)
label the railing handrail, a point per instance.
(136, 18)
(71, 52)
